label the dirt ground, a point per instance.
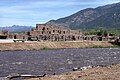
(98, 73)
(52, 45)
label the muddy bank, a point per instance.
(99, 73)
(52, 45)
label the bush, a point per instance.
(97, 46)
(45, 48)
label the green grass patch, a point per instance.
(100, 46)
(45, 48)
(115, 46)
(97, 46)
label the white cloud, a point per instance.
(32, 12)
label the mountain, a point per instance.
(107, 16)
(16, 28)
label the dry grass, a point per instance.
(52, 45)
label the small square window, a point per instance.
(64, 32)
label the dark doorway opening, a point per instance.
(15, 37)
(73, 38)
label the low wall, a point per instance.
(51, 45)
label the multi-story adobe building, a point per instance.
(53, 33)
(45, 32)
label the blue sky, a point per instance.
(31, 12)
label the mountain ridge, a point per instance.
(107, 16)
(16, 28)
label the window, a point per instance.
(42, 32)
(62, 37)
(49, 32)
(60, 32)
(64, 32)
(43, 28)
(53, 31)
(73, 37)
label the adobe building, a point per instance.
(53, 33)
(45, 32)
(4, 34)
(7, 35)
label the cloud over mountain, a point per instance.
(30, 12)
